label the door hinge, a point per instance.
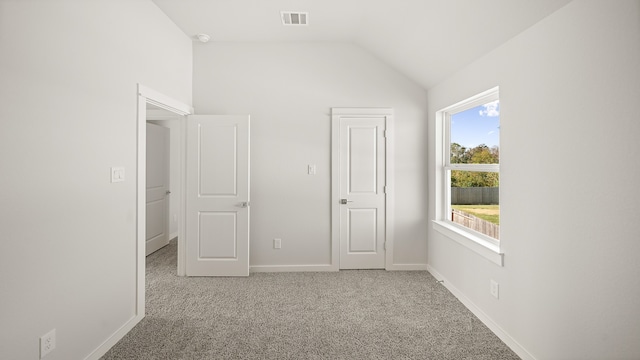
(385, 245)
(384, 189)
(384, 134)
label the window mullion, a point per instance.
(474, 167)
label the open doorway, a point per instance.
(148, 102)
(163, 193)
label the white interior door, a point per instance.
(157, 223)
(217, 195)
(362, 192)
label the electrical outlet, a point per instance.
(117, 174)
(277, 243)
(47, 343)
(494, 289)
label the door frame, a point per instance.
(336, 115)
(149, 96)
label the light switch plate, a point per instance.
(117, 174)
(311, 170)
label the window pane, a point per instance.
(475, 201)
(475, 135)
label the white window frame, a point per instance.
(482, 244)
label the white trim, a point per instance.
(486, 319)
(358, 112)
(141, 201)
(483, 245)
(389, 190)
(114, 338)
(291, 268)
(155, 114)
(335, 192)
(407, 267)
(146, 95)
(164, 102)
(473, 242)
(474, 167)
(336, 114)
(149, 96)
(155, 245)
(476, 100)
(182, 232)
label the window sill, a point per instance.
(474, 243)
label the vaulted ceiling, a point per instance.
(427, 40)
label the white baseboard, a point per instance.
(114, 338)
(407, 267)
(327, 267)
(492, 325)
(173, 236)
(292, 268)
(154, 245)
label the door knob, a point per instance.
(167, 192)
(245, 204)
(345, 201)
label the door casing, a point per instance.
(149, 96)
(336, 115)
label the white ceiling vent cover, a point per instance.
(294, 18)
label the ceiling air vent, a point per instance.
(294, 18)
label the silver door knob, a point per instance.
(245, 204)
(345, 201)
(167, 192)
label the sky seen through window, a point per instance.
(478, 125)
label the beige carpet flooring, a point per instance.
(361, 314)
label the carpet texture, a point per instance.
(356, 314)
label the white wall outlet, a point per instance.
(47, 343)
(117, 174)
(494, 289)
(277, 243)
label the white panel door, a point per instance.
(362, 197)
(217, 195)
(157, 227)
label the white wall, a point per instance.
(68, 107)
(289, 89)
(569, 90)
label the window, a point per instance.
(469, 173)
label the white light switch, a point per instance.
(117, 174)
(311, 169)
